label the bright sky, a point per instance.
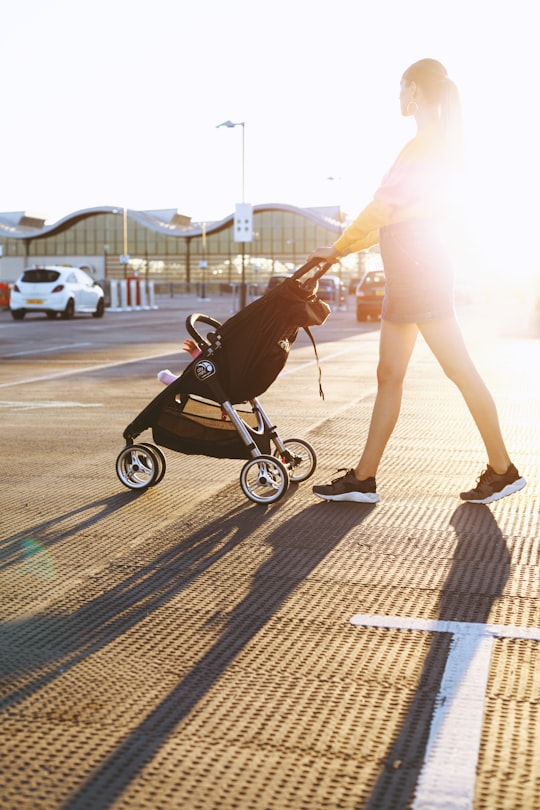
(116, 102)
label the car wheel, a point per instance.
(100, 309)
(69, 311)
(18, 314)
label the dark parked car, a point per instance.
(331, 289)
(369, 295)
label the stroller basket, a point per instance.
(202, 428)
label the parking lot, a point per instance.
(183, 647)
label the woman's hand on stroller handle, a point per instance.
(312, 263)
(327, 254)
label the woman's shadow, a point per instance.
(480, 571)
(297, 546)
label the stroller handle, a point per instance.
(197, 317)
(309, 265)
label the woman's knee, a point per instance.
(460, 371)
(390, 374)
(453, 372)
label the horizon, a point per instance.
(115, 108)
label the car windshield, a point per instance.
(375, 278)
(40, 275)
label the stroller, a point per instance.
(200, 413)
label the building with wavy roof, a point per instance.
(165, 246)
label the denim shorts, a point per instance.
(419, 273)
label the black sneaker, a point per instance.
(348, 488)
(491, 487)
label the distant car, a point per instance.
(353, 284)
(369, 295)
(273, 281)
(331, 288)
(64, 291)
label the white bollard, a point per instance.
(144, 296)
(123, 296)
(114, 295)
(152, 295)
(133, 292)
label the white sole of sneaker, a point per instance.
(355, 497)
(509, 489)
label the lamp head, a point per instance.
(230, 124)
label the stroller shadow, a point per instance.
(100, 621)
(50, 532)
(114, 613)
(479, 573)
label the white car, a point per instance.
(53, 290)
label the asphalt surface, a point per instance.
(184, 647)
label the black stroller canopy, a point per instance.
(252, 347)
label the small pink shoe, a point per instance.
(166, 377)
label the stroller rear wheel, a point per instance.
(138, 466)
(264, 479)
(162, 464)
(299, 458)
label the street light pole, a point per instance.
(341, 303)
(243, 125)
(231, 125)
(245, 229)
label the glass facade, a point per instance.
(282, 239)
(178, 255)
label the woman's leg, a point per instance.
(445, 340)
(396, 344)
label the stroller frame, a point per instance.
(271, 462)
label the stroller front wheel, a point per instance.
(299, 458)
(264, 479)
(138, 466)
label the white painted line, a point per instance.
(29, 406)
(448, 775)
(347, 405)
(321, 360)
(88, 370)
(116, 363)
(51, 349)
(441, 626)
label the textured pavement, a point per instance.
(186, 648)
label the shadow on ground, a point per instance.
(64, 641)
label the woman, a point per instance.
(404, 217)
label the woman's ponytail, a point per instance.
(441, 92)
(451, 121)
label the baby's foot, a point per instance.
(166, 377)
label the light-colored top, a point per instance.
(417, 186)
